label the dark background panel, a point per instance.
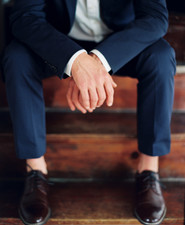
(177, 6)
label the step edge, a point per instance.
(180, 69)
(59, 180)
(94, 220)
(174, 136)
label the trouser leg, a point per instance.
(155, 69)
(23, 81)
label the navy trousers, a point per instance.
(154, 68)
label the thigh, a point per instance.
(21, 59)
(158, 58)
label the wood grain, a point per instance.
(102, 145)
(97, 123)
(91, 203)
(92, 156)
(176, 35)
(125, 94)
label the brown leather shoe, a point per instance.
(150, 206)
(34, 209)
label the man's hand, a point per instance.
(93, 81)
(74, 98)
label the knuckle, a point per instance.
(102, 99)
(86, 103)
(85, 99)
(94, 99)
(110, 91)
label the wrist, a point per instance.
(76, 61)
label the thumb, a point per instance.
(113, 83)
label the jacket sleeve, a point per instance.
(29, 25)
(150, 24)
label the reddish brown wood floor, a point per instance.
(87, 147)
(92, 203)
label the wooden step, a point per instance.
(103, 202)
(93, 146)
(125, 94)
(176, 33)
(121, 123)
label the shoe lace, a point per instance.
(38, 179)
(150, 180)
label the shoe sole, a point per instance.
(145, 223)
(41, 223)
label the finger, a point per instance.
(101, 96)
(113, 83)
(69, 96)
(93, 98)
(81, 102)
(109, 93)
(85, 98)
(75, 99)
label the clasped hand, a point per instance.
(90, 85)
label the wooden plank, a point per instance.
(125, 94)
(107, 157)
(55, 93)
(179, 98)
(92, 203)
(96, 145)
(92, 156)
(98, 123)
(176, 35)
(90, 222)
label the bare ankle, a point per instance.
(148, 163)
(37, 164)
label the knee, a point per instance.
(16, 61)
(163, 59)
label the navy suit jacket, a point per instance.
(43, 25)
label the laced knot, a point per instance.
(150, 180)
(38, 180)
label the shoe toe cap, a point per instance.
(150, 214)
(35, 214)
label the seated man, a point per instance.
(88, 40)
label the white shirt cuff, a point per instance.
(70, 62)
(102, 58)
